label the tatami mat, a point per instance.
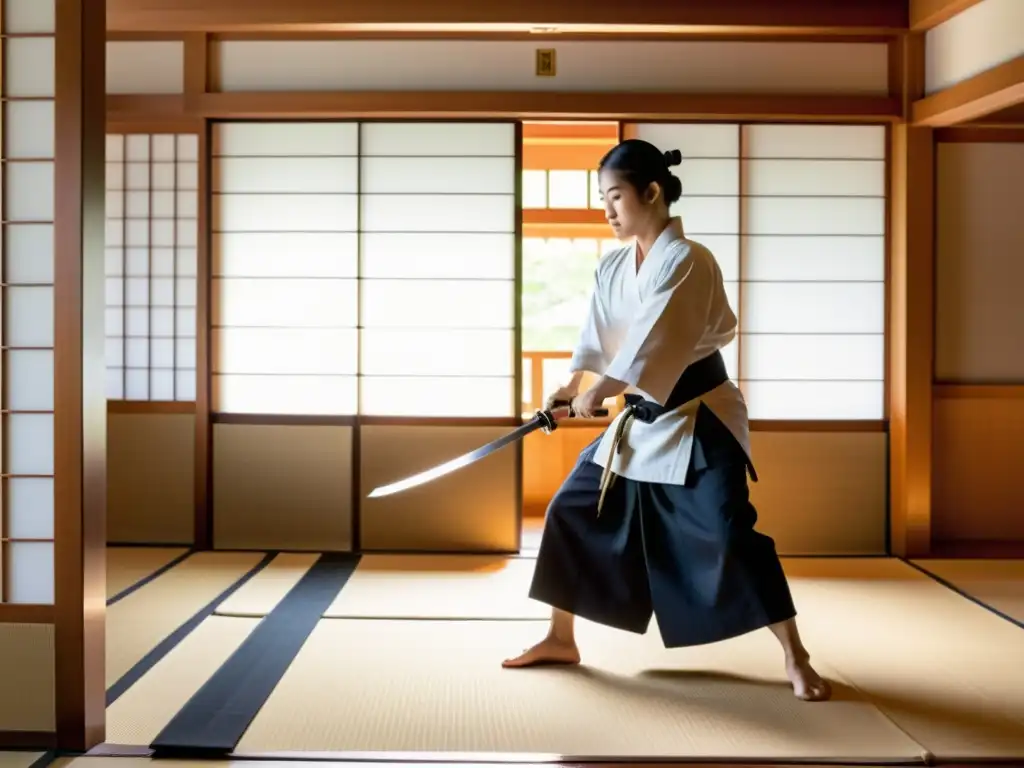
(18, 759)
(998, 584)
(127, 566)
(439, 587)
(138, 623)
(139, 715)
(948, 672)
(438, 686)
(261, 594)
(919, 671)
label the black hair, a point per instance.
(642, 163)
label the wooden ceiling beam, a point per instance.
(928, 14)
(755, 17)
(533, 105)
(991, 91)
(1012, 117)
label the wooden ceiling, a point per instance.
(741, 17)
(551, 20)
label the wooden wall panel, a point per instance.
(822, 493)
(150, 463)
(474, 511)
(979, 441)
(27, 659)
(282, 487)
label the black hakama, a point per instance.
(688, 554)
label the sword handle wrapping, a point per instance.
(568, 404)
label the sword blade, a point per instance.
(462, 461)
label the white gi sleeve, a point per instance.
(662, 340)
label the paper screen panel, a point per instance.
(152, 209)
(27, 57)
(437, 295)
(813, 272)
(284, 295)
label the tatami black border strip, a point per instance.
(169, 643)
(215, 719)
(45, 759)
(150, 578)
(150, 545)
(954, 588)
(119, 750)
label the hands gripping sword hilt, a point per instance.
(550, 423)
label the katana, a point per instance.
(544, 420)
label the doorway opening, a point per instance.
(564, 235)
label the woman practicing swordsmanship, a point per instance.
(655, 518)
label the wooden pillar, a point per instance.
(911, 308)
(198, 75)
(79, 374)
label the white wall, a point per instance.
(979, 324)
(984, 36)
(157, 67)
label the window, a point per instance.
(365, 268)
(561, 189)
(813, 291)
(564, 235)
(558, 277)
(151, 240)
(26, 516)
(284, 292)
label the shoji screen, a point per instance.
(367, 272)
(284, 343)
(26, 515)
(710, 205)
(284, 295)
(438, 247)
(813, 292)
(438, 266)
(152, 207)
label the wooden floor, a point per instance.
(178, 622)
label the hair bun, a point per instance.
(673, 157)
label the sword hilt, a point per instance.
(551, 424)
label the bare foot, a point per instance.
(548, 651)
(808, 685)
